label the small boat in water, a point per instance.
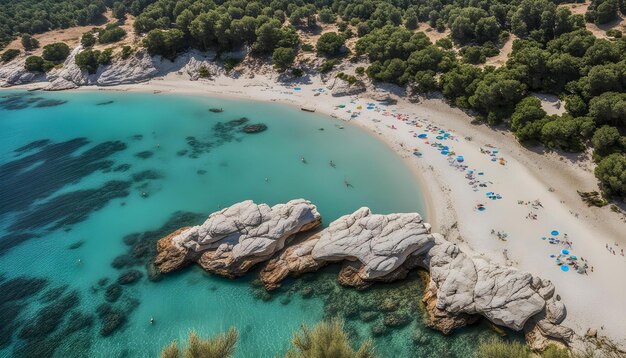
(216, 110)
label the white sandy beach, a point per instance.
(594, 300)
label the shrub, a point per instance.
(203, 72)
(445, 43)
(330, 43)
(473, 55)
(553, 351)
(327, 16)
(88, 40)
(29, 42)
(297, 72)
(230, 63)
(164, 43)
(611, 172)
(56, 52)
(327, 339)
(308, 47)
(496, 348)
(348, 78)
(87, 60)
(34, 64)
(105, 57)
(606, 140)
(327, 66)
(222, 346)
(126, 52)
(614, 33)
(10, 54)
(360, 70)
(283, 58)
(112, 33)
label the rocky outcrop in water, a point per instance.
(372, 248)
(234, 239)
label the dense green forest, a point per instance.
(554, 54)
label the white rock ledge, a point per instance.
(373, 248)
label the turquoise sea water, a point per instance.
(80, 173)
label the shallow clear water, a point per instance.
(183, 158)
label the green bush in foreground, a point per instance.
(555, 352)
(496, 348)
(327, 339)
(222, 346)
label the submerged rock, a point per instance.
(254, 128)
(145, 154)
(112, 322)
(113, 292)
(129, 277)
(234, 239)
(76, 245)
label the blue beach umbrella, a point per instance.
(460, 159)
(554, 233)
(422, 135)
(564, 268)
(565, 252)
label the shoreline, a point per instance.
(526, 176)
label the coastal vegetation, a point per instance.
(221, 346)
(552, 53)
(326, 339)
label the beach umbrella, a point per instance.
(460, 159)
(444, 152)
(554, 233)
(422, 135)
(565, 252)
(564, 268)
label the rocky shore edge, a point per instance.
(371, 248)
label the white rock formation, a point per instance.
(505, 295)
(14, 73)
(378, 248)
(232, 240)
(380, 242)
(341, 88)
(139, 67)
(69, 76)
